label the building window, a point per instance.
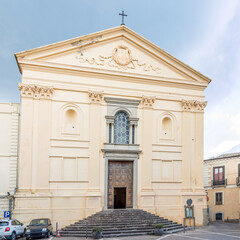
(219, 216)
(219, 198)
(121, 128)
(218, 176)
(238, 176)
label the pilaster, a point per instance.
(147, 193)
(34, 145)
(93, 201)
(192, 143)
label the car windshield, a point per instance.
(38, 222)
(3, 224)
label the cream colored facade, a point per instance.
(229, 208)
(71, 92)
(9, 122)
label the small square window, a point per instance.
(219, 198)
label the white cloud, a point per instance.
(223, 14)
(217, 55)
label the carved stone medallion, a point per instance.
(122, 55)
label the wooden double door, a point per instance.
(120, 184)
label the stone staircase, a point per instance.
(120, 222)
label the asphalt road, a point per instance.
(215, 231)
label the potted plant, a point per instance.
(158, 229)
(97, 233)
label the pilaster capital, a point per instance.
(133, 121)
(193, 105)
(200, 105)
(148, 101)
(95, 96)
(35, 91)
(110, 119)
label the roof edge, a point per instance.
(114, 29)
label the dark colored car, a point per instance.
(41, 227)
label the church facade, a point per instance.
(109, 120)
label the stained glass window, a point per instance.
(121, 128)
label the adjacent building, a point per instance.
(9, 129)
(109, 120)
(222, 183)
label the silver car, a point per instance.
(11, 229)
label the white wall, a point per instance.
(9, 121)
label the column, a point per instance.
(130, 133)
(112, 138)
(147, 194)
(133, 135)
(110, 129)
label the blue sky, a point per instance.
(205, 34)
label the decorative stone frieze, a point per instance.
(120, 59)
(35, 91)
(148, 101)
(193, 105)
(95, 97)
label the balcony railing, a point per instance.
(238, 181)
(216, 183)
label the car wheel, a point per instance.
(48, 234)
(23, 233)
(27, 238)
(13, 236)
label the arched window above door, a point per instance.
(121, 128)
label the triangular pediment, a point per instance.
(119, 51)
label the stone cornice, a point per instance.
(95, 96)
(193, 105)
(35, 91)
(121, 76)
(148, 101)
(122, 101)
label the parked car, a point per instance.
(11, 229)
(41, 227)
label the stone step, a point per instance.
(120, 228)
(121, 222)
(116, 223)
(116, 226)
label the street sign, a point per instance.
(7, 214)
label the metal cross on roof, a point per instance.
(123, 15)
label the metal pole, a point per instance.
(184, 224)
(56, 228)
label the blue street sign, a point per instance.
(7, 214)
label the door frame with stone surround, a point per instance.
(120, 175)
(121, 157)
